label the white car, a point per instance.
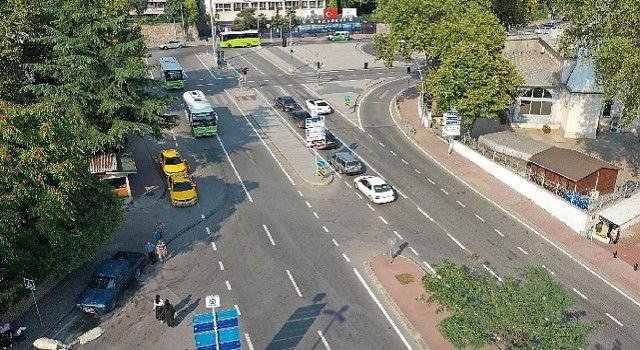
(318, 107)
(375, 188)
(173, 44)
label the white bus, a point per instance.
(203, 119)
(172, 73)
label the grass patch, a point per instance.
(404, 278)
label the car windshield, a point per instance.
(303, 115)
(101, 282)
(381, 188)
(321, 103)
(182, 186)
(288, 100)
(173, 161)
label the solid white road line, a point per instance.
(384, 311)
(425, 214)
(414, 251)
(335, 242)
(431, 181)
(348, 184)
(522, 250)
(295, 285)
(498, 232)
(479, 218)
(613, 319)
(444, 191)
(551, 272)
(397, 234)
(358, 194)
(383, 220)
(208, 230)
(460, 203)
(580, 294)
(237, 309)
(221, 265)
(346, 257)
(228, 285)
(492, 273)
(324, 341)
(207, 68)
(249, 343)
(458, 243)
(213, 245)
(269, 234)
(252, 65)
(233, 166)
(429, 267)
(402, 194)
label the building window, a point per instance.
(272, 6)
(262, 6)
(606, 109)
(537, 101)
(237, 6)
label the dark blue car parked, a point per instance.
(109, 281)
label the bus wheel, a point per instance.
(248, 45)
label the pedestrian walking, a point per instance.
(150, 248)
(161, 251)
(169, 313)
(616, 235)
(158, 307)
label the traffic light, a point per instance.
(245, 70)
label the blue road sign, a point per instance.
(228, 335)
(321, 164)
(347, 97)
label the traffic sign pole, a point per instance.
(31, 284)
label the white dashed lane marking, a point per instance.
(580, 294)
(522, 250)
(397, 234)
(431, 181)
(404, 161)
(221, 265)
(460, 203)
(414, 251)
(479, 218)
(346, 257)
(444, 191)
(394, 153)
(498, 232)
(614, 320)
(383, 220)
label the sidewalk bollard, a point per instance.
(366, 65)
(615, 254)
(635, 267)
(408, 70)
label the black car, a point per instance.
(300, 117)
(331, 142)
(287, 103)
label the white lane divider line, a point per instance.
(300, 193)
(498, 232)
(551, 272)
(173, 136)
(425, 214)
(335, 242)
(431, 181)
(213, 245)
(614, 320)
(370, 136)
(458, 243)
(402, 194)
(202, 216)
(384, 311)
(176, 145)
(249, 343)
(221, 265)
(404, 161)
(492, 273)
(479, 218)
(325, 229)
(460, 203)
(295, 285)
(208, 230)
(308, 204)
(207, 68)
(228, 285)
(316, 215)
(429, 267)
(382, 144)
(359, 195)
(235, 170)
(522, 250)
(580, 294)
(266, 229)
(397, 234)
(394, 153)
(237, 310)
(444, 191)
(370, 207)
(414, 251)
(417, 171)
(383, 220)
(348, 184)
(324, 341)
(346, 257)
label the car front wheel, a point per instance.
(112, 305)
(137, 273)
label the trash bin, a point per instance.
(366, 65)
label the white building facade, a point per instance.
(227, 10)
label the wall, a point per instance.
(573, 217)
(578, 114)
(156, 34)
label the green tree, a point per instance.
(95, 69)
(514, 12)
(173, 8)
(529, 312)
(55, 214)
(333, 4)
(245, 19)
(611, 41)
(139, 6)
(192, 12)
(479, 83)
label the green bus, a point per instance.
(242, 38)
(202, 118)
(172, 74)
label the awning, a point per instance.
(624, 213)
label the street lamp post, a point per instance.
(212, 13)
(423, 120)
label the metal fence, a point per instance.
(521, 168)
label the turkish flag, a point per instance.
(330, 13)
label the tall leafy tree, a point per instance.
(514, 12)
(54, 214)
(607, 33)
(530, 311)
(139, 6)
(95, 68)
(245, 19)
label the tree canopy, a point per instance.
(245, 19)
(606, 32)
(531, 311)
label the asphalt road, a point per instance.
(291, 257)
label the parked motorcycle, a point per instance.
(10, 337)
(53, 344)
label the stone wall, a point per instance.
(156, 34)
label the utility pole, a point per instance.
(214, 33)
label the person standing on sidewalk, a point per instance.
(150, 248)
(161, 251)
(169, 313)
(158, 307)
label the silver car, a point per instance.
(173, 44)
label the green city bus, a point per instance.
(242, 38)
(202, 118)
(172, 74)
